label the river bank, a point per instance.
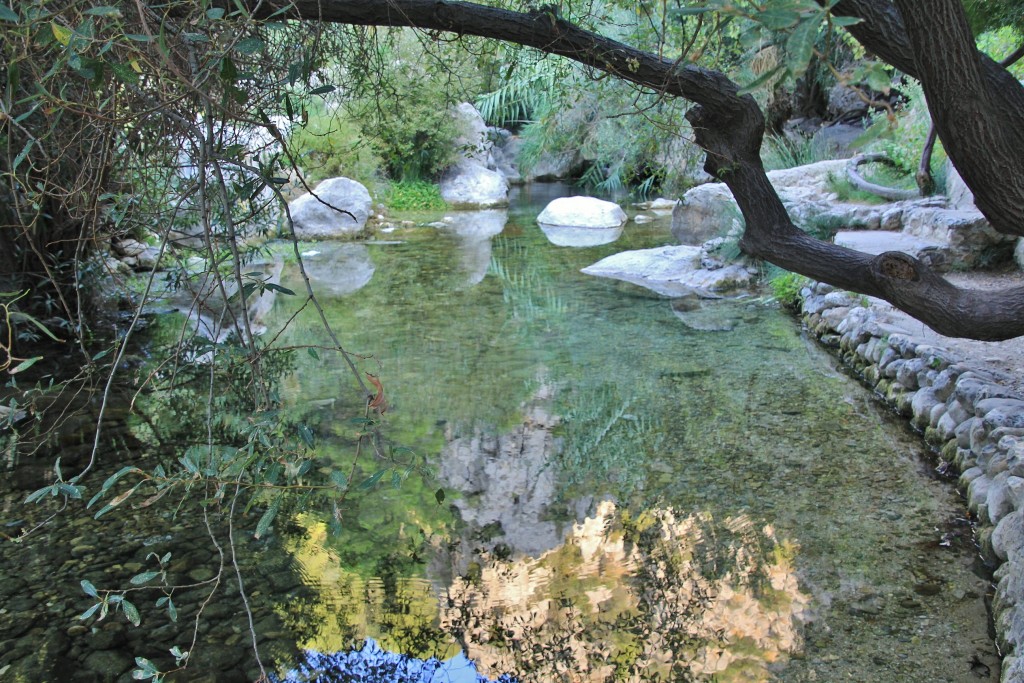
(966, 398)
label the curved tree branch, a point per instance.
(730, 128)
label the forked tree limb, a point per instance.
(730, 127)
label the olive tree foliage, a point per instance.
(976, 104)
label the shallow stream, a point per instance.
(604, 485)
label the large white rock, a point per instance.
(673, 271)
(470, 184)
(340, 207)
(582, 212)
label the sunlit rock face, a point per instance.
(659, 594)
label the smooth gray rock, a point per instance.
(342, 209)
(674, 272)
(1008, 536)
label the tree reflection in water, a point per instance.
(371, 664)
(653, 596)
(657, 596)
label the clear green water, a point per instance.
(568, 419)
(627, 495)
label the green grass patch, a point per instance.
(413, 195)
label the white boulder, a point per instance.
(337, 207)
(582, 212)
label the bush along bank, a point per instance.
(972, 420)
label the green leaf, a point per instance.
(313, 354)
(778, 18)
(306, 434)
(61, 33)
(172, 611)
(69, 490)
(23, 317)
(878, 77)
(372, 480)
(144, 577)
(139, 37)
(89, 589)
(131, 612)
(37, 494)
(89, 612)
(215, 13)
(322, 90)
(439, 496)
(843, 22)
(278, 288)
(7, 14)
(268, 518)
(248, 46)
(800, 46)
(103, 11)
(22, 154)
(339, 479)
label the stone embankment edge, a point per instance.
(974, 423)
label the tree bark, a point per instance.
(977, 106)
(730, 128)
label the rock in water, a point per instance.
(674, 271)
(339, 208)
(582, 212)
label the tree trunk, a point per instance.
(977, 106)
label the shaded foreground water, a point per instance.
(600, 485)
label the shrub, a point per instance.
(413, 195)
(786, 287)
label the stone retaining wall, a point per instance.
(974, 422)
